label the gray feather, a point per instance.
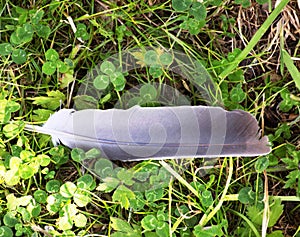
(141, 133)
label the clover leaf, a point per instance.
(181, 5)
(19, 56)
(5, 49)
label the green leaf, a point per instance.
(151, 58)
(276, 210)
(105, 99)
(291, 68)
(138, 202)
(20, 10)
(59, 155)
(194, 26)
(24, 33)
(108, 185)
(198, 11)
(52, 55)
(34, 210)
(40, 196)
(36, 16)
(166, 58)
(25, 213)
(62, 67)
(6, 108)
(85, 182)
(52, 101)
(206, 198)
(101, 82)
(181, 5)
(125, 176)
(161, 215)
(26, 171)
(104, 167)
(43, 31)
(244, 3)
(120, 225)
(162, 229)
(19, 56)
(5, 49)
(92, 154)
(41, 115)
(10, 220)
(117, 78)
(14, 39)
(14, 163)
(49, 68)
(43, 160)
(80, 220)
(237, 94)
(107, 67)
(12, 202)
(12, 106)
(262, 1)
(153, 195)
(77, 154)
(11, 177)
(246, 195)
(155, 71)
(12, 129)
(123, 195)
(237, 76)
(287, 103)
(261, 164)
(151, 234)
(255, 215)
(6, 231)
(293, 176)
(53, 186)
(81, 198)
(66, 78)
(65, 223)
(276, 233)
(81, 32)
(68, 189)
(120, 87)
(55, 202)
(85, 102)
(210, 231)
(27, 156)
(149, 222)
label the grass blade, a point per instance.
(291, 67)
(260, 32)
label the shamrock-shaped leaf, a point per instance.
(198, 11)
(51, 55)
(5, 49)
(101, 82)
(181, 5)
(49, 68)
(237, 94)
(107, 67)
(19, 56)
(68, 189)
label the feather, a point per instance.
(141, 133)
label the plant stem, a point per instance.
(206, 217)
(179, 178)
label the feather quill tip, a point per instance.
(43, 130)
